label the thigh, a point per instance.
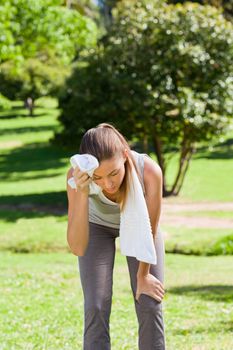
(96, 266)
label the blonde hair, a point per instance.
(104, 142)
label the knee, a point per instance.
(96, 327)
(149, 305)
(97, 310)
(151, 327)
(94, 308)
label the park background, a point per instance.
(162, 73)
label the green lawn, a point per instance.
(209, 176)
(41, 299)
(38, 231)
(42, 303)
(30, 166)
(198, 241)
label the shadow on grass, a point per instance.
(32, 157)
(222, 150)
(33, 205)
(212, 328)
(12, 215)
(17, 112)
(9, 131)
(218, 293)
(221, 154)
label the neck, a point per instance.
(112, 197)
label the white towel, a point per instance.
(86, 163)
(136, 237)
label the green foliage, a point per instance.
(39, 40)
(197, 240)
(227, 5)
(34, 78)
(223, 246)
(161, 70)
(10, 82)
(4, 103)
(42, 303)
(35, 26)
(88, 8)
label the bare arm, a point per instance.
(147, 283)
(153, 181)
(78, 227)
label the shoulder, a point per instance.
(152, 174)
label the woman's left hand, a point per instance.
(149, 285)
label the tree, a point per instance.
(162, 74)
(88, 8)
(227, 5)
(106, 8)
(39, 43)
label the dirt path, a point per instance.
(169, 205)
(173, 214)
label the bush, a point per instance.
(4, 103)
(162, 74)
(222, 247)
(162, 71)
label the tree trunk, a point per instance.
(159, 154)
(187, 150)
(183, 173)
(29, 104)
(69, 4)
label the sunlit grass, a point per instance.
(42, 303)
(41, 298)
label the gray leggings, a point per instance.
(96, 271)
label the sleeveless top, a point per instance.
(105, 212)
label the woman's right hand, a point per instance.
(82, 181)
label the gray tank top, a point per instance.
(105, 212)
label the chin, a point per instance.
(112, 191)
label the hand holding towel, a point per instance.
(87, 164)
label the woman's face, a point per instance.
(110, 174)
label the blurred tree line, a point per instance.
(39, 41)
(227, 5)
(161, 71)
(162, 74)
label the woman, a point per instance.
(93, 226)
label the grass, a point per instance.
(197, 241)
(209, 174)
(215, 182)
(31, 166)
(33, 186)
(42, 303)
(41, 299)
(38, 231)
(33, 171)
(33, 232)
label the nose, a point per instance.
(108, 184)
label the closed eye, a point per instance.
(111, 174)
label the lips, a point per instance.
(111, 189)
